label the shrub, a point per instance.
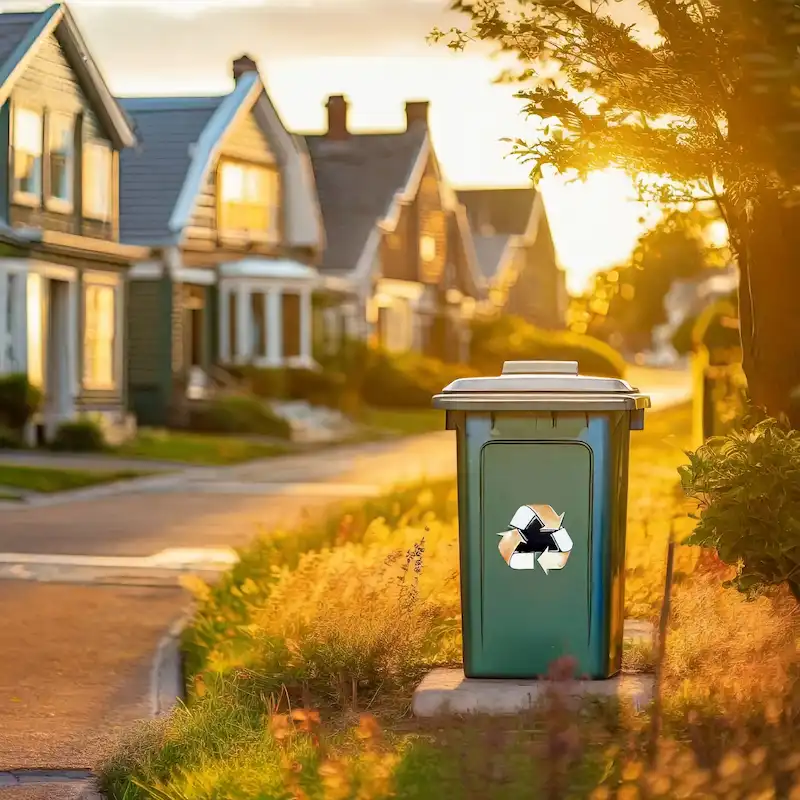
(506, 338)
(318, 387)
(747, 486)
(19, 401)
(79, 436)
(240, 414)
(9, 438)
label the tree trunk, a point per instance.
(769, 299)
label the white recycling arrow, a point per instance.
(552, 559)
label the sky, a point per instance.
(375, 52)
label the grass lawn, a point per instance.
(197, 448)
(303, 659)
(47, 480)
(403, 422)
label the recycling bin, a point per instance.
(542, 494)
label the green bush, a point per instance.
(318, 387)
(9, 438)
(19, 401)
(506, 338)
(407, 380)
(238, 414)
(79, 436)
(747, 486)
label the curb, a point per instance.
(167, 681)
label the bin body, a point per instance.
(517, 621)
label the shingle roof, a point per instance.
(508, 211)
(357, 180)
(153, 174)
(489, 250)
(13, 29)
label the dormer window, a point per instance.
(61, 160)
(248, 200)
(28, 141)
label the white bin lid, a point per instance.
(553, 385)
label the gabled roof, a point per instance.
(22, 34)
(499, 219)
(357, 180)
(161, 181)
(152, 176)
(505, 211)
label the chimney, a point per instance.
(337, 107)
(416, 111)
(243, 65)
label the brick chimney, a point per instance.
(417, 112)
(243, 65)
(337, 107)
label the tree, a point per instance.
(710, 108)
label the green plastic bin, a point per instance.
(542, 494)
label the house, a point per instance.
(516, 254)
(62, 267)
(399, 262)
(224, 199)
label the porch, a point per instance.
(265, 313)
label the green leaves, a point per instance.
(747, 487)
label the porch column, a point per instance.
(306, 321)
(76, 339)
(274, 327)
(242, 325)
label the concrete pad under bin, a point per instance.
(444, 691)
(447, 691)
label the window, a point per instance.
(27, 155)
(427, 248)
(97, 179)
(248, 199)
(99, 343)
(60, 149)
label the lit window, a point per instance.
(60, 135)
(27, 153)
(248, 199)
(97, 178)
(99, 337)
(427, 248)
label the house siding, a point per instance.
(5, 117)
(49, 83)
(246, 142)
(149, 372)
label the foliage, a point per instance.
(747, 486)
(695, 101)
(317, 386)
(242, 414)
(79, 436)
(19, 401)
(10, 439)
(507, 338)
(717, 327)
(628, 302)
(227, 609)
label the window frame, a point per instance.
(271, 172)
(87, 211)
(52, 201)
(112, 282)
(19, 196)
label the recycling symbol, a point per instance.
(536, 533)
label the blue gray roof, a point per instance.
(153, 174)
(357, 179)
(14, 28)
(489, 250)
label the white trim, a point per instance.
(306, 324)
(365, 266)
(239, 102)
(195, 275)
(146, 271)
(269, 268)
(407, 290)
(274, 327)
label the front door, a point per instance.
(195, 341)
